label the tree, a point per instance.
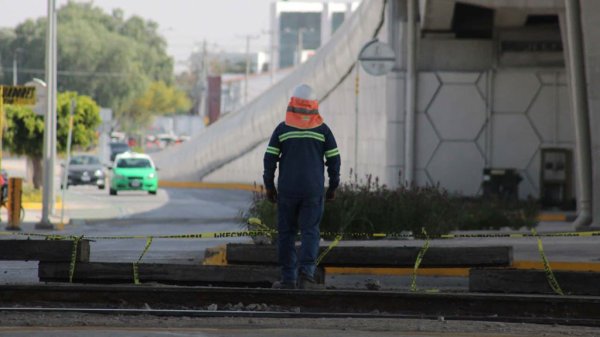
(159, 99)
(24, 130)
(107, 57)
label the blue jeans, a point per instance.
(305, 214)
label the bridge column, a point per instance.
(590, 16)
(396, 90)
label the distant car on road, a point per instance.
(117, 148)
(133, 171)
(85, 169)
(3, 185)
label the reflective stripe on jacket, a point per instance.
(302, 155)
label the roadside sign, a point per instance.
(40, 94)
(377, 58)
(18, 94)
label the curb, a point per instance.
(205, 185)
(557, 217)
(36, 206)
(136, 220)
(218, 256)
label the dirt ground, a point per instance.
(330, 327)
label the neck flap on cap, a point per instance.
(303, 113)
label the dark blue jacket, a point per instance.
(301, 154)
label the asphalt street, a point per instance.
(93, 212)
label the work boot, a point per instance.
(283, 285)
(308, 283)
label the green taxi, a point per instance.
(133, 172)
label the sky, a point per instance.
(184, 23)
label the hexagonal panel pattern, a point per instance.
(514, 91)
(482, 84)
(426, 140)
(534, 169)
(526, 188)
(457, 112)
(455, 77)
(428, 85)
(458, 167)
(421, 178)
(515, 141)
(543, 113)
(566, 126)
(548, 77)
(481, 141)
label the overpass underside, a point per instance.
(491, 89)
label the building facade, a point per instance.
(299, 28)
(476, 85)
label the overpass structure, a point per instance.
(494, 84)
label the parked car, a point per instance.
(84, 169)
(133, 171)
(3, 185)
(118, 148)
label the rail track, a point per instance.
(293, 315)
(194, 301)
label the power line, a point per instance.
(74, 73)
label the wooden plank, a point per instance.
(382, 256)
(532, 281)
(43, 250)
(106, 272)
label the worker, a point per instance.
(302, 145)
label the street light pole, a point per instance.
(15, 61)
(299, 45)
(48, 118)
(248, 38)
(15, 68)
(53, 111)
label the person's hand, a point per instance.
(272, 195)
(330, 194)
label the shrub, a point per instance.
(361, 208)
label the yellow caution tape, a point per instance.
(74, 258)
(548, 271)
(326, 251)
(422, 251)
(136, 279)
(136, 275)
(263, 230)
(257, 224)
(251, 233)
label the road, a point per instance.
(93, 212)
(170, 212)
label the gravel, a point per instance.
(399, 326)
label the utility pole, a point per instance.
(299, 45)
(15, 68)
(15, 60)
(202, 81)
(248, 38)
(48, 152)
(272, 46)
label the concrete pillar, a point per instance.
(590, 16)
(396, 84)
(325, 23)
